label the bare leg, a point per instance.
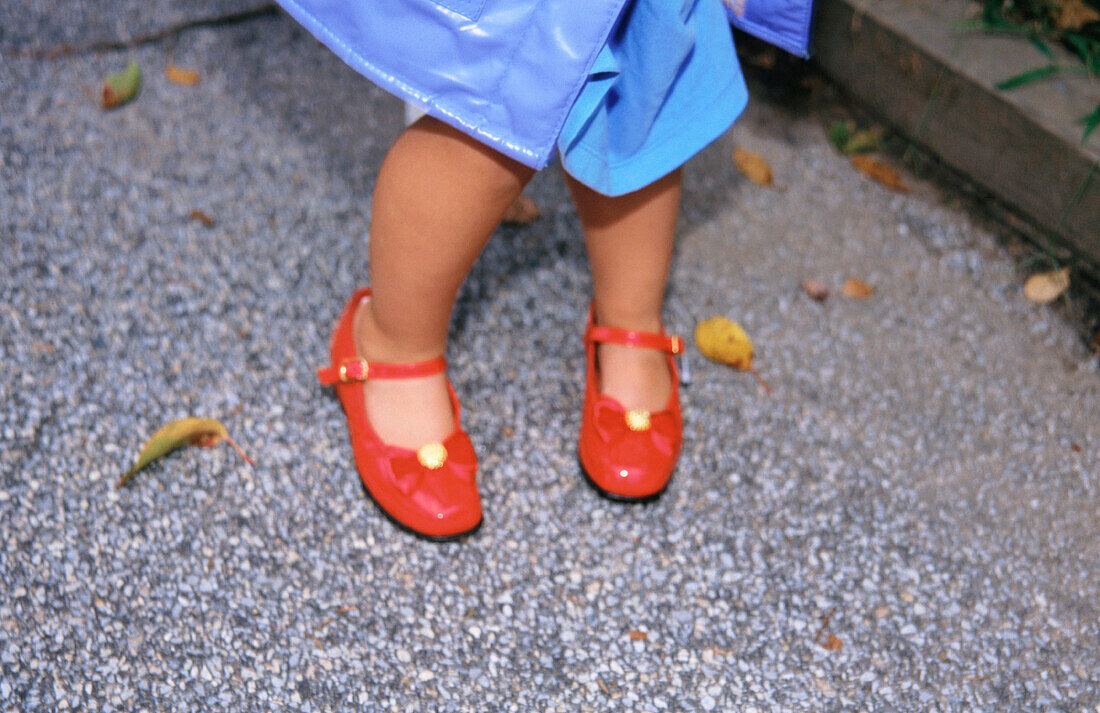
(629, 241)
(438, 198)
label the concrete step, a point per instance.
(909, 62)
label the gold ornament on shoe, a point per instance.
(432, 456)
(637, 419)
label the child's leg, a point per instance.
(438, 198)
(629, 241)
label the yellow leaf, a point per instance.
(864, 140)
(723, 340)
(857, 289)
(523, 211)
(183, 76)
(755, 168)
(1043, 287)
(886, 175)
(121, 87)
(204, 432)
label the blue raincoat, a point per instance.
(504, 71)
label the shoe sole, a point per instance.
(420, 535)
(615, 497)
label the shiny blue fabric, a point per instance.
(783, 23)
(666, 84)
(504, 71)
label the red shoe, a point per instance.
(430, 491)
(629, 455)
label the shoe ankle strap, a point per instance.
(633, 338)
(361, 370)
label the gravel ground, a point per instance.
(42, 24)
(909, 523)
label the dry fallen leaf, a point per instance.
(181, 75)
(202, 217)
(832, 642)
(121, 87)
(857, 289)
(523, 211)
(753, 166)
(1044, 287)
(725, 341)
(638, 635)
(816, 289)
(1073, 15)
(205, 432)
(886, 175)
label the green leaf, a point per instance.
(991, 12)
(1002, 25)
(839, 133)
(1086, 49)
(1029, 76)
(995, 19)
(1037, 42)
(1091, 121)
(121, 87)
(204, 432)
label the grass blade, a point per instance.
(1037, 42)
(1029, 76)
(1091, 121)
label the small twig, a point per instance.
(824, 625)
(230, 441)
(761, 380)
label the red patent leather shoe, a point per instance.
(431, 491)
(629, 454)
